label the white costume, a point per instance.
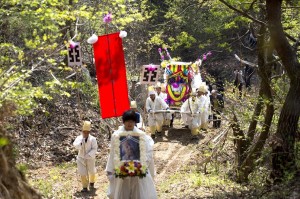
(86, 155)
(167, 116)
(191, 119)
(155, 120)
(204, 105)
(131, 187)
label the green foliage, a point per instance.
(23, 168)
(3, 141)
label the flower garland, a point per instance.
(133, 167)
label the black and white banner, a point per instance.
(149, 74)
(74, 55)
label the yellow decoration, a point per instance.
(180, 96)
(151, 88)
(164, 63)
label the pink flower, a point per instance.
(107, 18)
(151, 67)
(73, 44)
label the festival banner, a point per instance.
(149, 74)
(111, 75)
(74, 54)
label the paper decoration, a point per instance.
(74, 54)
(149, 74)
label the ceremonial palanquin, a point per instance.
(181, 78)
(178, 78)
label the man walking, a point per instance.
(87, 148)
(155, 120)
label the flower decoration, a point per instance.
(162, 57)
(151, 67)
(130, 168)
(73, 44)
(107, 18)
(168, 54)
(205, 55)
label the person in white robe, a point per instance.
(155, 120)
(190, 110)
(161, 92)
(87, 148)
(204, 106)
(131, 187)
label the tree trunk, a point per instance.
(283, 156)
(12, 182)
(264, 71)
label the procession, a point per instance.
(127, 99)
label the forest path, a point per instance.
(173, 152)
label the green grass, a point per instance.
(193, 183)
(59, 182)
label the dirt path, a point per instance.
(172, 152)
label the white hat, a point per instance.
(151, 92)
(133, 104)
(86, 126)
(202, 88)
(158, 85)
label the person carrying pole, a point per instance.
(155, 120)
(190, 114)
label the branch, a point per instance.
(243, 13)
(251, 6)
(290, 37)
(165, 23)
(245, 62)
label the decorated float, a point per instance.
(180, 78)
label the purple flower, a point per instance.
(107, 18)
(73, 44)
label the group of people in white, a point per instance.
(194, 112)
(130, 187)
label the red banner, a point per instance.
(111, 75)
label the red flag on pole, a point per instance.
(111, 75)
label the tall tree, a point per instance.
(284, 147)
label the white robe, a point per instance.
(155, 119)
(167, 116)
(131, 187)
(191, 119)
(86, 155)
(204, 105)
